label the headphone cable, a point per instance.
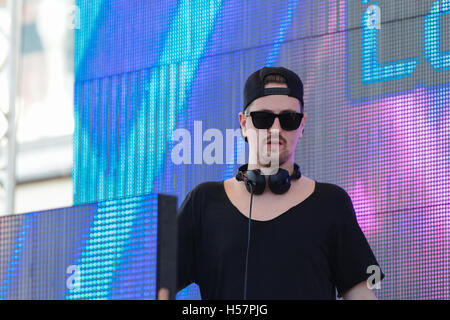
(248, 242)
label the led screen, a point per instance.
(104, 250)
(377, 93)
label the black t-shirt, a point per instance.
(307, 252)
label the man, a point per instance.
(305, 243)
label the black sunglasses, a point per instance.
(288, 120)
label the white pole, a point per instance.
(15, 32)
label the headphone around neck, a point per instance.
(279, 182)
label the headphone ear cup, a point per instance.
(279, 183)
(257, 179)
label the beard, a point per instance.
(268, 157)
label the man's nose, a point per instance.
(276, 125)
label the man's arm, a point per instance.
(186, 243)
(352, 254)
(359, 292)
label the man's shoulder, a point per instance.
(201, 193)
(205, 187)
(331, 187)
(331, 191)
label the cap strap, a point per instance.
(282, 91)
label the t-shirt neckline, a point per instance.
(228, 201)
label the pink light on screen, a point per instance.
(411, 186)
(364, 208)
(399, 152)
(395, 155)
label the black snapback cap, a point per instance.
(254, 86)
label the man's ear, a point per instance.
(241, 120)
(303, 121)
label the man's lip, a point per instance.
(275, 142)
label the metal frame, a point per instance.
(8, 178)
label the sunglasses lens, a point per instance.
(290, 120)
(262, 120)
